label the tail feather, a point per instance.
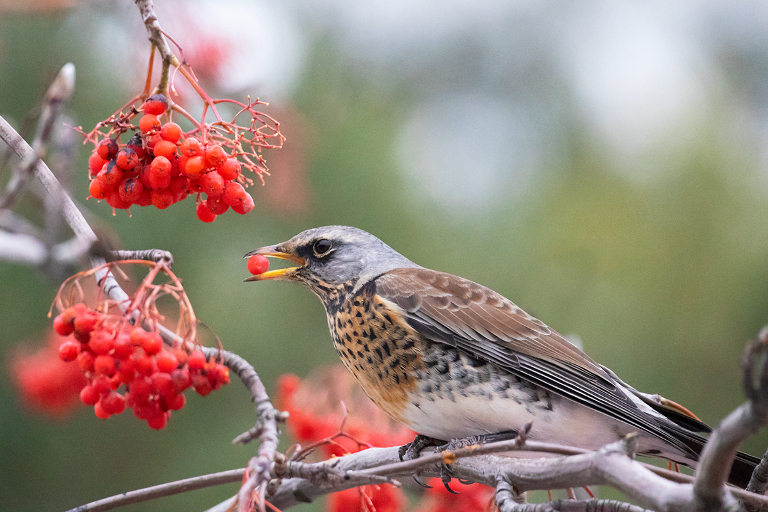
(741, 470)
(680, 427)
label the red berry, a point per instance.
(166, 362)
(176, 402)
(215, 155)
(101, 384)
(196, 360)
(191, 147)
(203, 213)
(165, 148)
(137, 336)
(126, 370)
(98, 409)
(137, 145)
(89, 395)
(104, 365)
(63, 324)
(146, 365)
(156, 104)
(110, 175)
(123, 346)
(101, 342)
(202, 385)
(149, 123)
(258, 264)
(140, 389)
(170, 132)
(153, 140)
(219, 375)
(234, 193)
(86, 321)
(69, 350)
(96, 190)
(162, 383)
(230, 169)
(160, 172)
(152, 344)
(162, 198)
(116, 201)
(85, 361)
(113, 403)
(194, 168)
(130, 190)
(145, 199)
(158, 421)
(181, 379)
(95, 163)
(179, 187)
(126, 159)
(216, 205)
(107, 148)
(145, 409)
(212, 183)
(246, 206)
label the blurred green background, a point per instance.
(604, 167)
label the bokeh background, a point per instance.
(602, 165)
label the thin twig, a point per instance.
(160, 491)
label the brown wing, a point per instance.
(485, 325)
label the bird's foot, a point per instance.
(412, 450)
(455, 444)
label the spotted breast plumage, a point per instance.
(451, 358)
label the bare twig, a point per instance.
(55, 99)
(759, 481)
(156, 255)
(22, 248)
(160, 491)
(506, 502)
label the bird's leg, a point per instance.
(463, 442)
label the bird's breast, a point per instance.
(380, 349)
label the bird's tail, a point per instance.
(685, 427)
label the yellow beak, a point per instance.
(272, 252)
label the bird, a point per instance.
(453, 359)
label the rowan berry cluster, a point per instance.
(161, 165)
(112, 353)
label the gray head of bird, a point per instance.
(332, 256)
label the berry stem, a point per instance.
(150, 67)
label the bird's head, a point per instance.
(332, 256)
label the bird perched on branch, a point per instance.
(452, 359)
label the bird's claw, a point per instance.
(418, 481)
(445, 477)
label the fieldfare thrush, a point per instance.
(451, 358)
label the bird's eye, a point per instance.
(322, 247)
